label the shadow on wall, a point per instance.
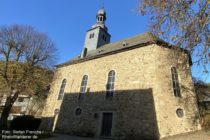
(47, 124)
(128, 114)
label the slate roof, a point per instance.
(137, 41)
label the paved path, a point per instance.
(68, 137)
(199, 135)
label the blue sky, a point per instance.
(66, 21)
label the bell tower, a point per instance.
(98, 34)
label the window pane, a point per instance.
(112, 73)
(81, 96)
(83, 83)
(60, 96)
(175, 93)
(109, 94)
(176, 77)
(61, 92)
(85, 77)
(173, 77)
(83, 86)
(173, 70)
(109, 79)
(175, 82)
(113, 78)
(83, 89)
(178, 92)
(174, 85)
(110, 84)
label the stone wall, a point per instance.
(166, 103)
(143, 104)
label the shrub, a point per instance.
(25, 123)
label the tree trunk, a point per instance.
(4, 116)
(6, 110)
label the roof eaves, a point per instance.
(104, 54)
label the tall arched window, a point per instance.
(175, 82)
(61, 92)
(83, 87)
(110, 84)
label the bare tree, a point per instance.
(184, 23)
(26, 60)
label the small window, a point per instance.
(180, 112)
(175, 82)
(20, 99)
(62, 88)
(78, 111)
(104, 37)
(84, 52)
(110, 84)
(83, 87)
(124, 43)
(101, 18)
(91, 35)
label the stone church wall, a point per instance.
(143, 104)
(165, 101)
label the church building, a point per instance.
(135, 88)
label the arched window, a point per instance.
(175, 82)
(83, 87)
(84, 53)
(110, 84)
(61, 92)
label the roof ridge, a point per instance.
(132, 41)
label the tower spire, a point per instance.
(98, 35)
(100, 19)
(101, 16)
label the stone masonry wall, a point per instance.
(169, 122)
(143, 104)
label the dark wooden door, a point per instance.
(106, 124)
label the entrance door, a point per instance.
(106, 124)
